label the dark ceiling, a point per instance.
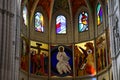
(49, 5)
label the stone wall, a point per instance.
(114, 23)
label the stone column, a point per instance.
(112, 24)
(1, 19)
(17, 46)
(9, 39)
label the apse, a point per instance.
(64, 39)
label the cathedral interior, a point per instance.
(59, 40)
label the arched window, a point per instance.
(39, 22)
(83, 22)
(25, 15)
(99, 14)
(61, 24)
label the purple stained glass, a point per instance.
(60, 24)
(99, 14)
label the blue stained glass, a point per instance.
(39, 26)
(83, 22)
(60, 24)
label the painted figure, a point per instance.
(101, 53)
(63, 64)
(84, 59)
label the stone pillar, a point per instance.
(1, 18)
(9, 39)
(17, 41)
(112, 24)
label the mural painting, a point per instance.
(61, 61)
(24, 54)
(39, 58)
(84, 59)
(101, 62)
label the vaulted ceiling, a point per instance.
(50, 6)
(75, 4)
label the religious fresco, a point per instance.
(24, 54)
(84, 59)
(39, 58)
(101, 62)
(61, 61)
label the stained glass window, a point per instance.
(99, 14)
(39, 22)
(60, 24)
(83, 22)
(25, 15)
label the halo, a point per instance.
(60, 47)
